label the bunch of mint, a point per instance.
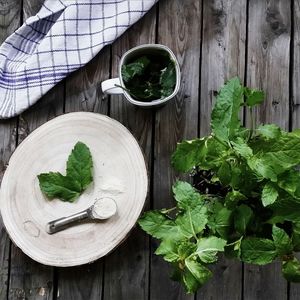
(245, 201)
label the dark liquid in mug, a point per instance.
(149, 76)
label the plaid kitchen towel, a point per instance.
(62, 37)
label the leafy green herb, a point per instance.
(245, 197)
(150, 77)
(78, 177)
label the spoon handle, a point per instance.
(63, 223)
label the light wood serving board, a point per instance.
(119, 172)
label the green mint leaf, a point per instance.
(186, 196)
(168, 80)
(224, 173)
(282, 241)
(242, 216)
(55, 185)
(253, 97)
(269, 194)
(290, 182)
(159, 226)
(192, 221)
(232, 198)
(296, 236)
(242, 148)
(169, 250)
(195, 276)
(207, 248)
(276, 156)
(291, 270)
(286, 208)
(269, 131)
(135, 68)
(225, 115)
(185, 249)
(79, 176)
(79, 165)
(189, 154)
(220, 220)
(258, 251)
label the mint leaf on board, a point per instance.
(258, 251)
(269, 131)
(79, 165)
(282, 241)
(291, 270)
(253, 97)
(225, 115)
(269, 194)
(79, 176)
(55, 185)
(207, 248)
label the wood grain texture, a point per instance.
(129, 264)
(83, 93)
(10, 12)
(268, 69)
(294, 292)
(29, 279)
(223, 51)
(179, 29)
(223, 57)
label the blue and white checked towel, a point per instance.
(62, 37)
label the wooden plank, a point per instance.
(294, 293)
(10, 12)
(83, 93)
(223, 57)
(268, 69)
(29, 279)
(179, 27)
(129, 263)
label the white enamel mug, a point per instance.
(110, 86)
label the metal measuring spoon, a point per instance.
(102, 209)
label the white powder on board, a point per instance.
(104, 208)
(111, 185)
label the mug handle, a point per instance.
(109, 86)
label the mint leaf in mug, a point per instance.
(135, 68)
(78, 177)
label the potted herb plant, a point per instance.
(244, 200)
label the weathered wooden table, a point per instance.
(258, 40)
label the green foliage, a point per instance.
(78, 177)
(150, 77)
(245, 201)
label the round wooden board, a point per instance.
(119, 172)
